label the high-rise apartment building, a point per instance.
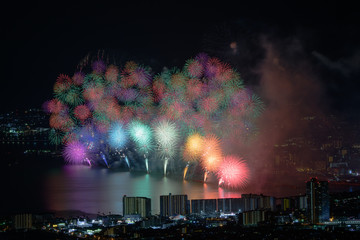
(137, 206)
(171, 205)
(318, 204)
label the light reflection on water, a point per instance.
(101, 190)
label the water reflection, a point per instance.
(101, 190)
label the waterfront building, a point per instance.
(171, 205)
(137, 206)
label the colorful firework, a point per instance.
(190, 111)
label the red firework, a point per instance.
(55, 106)
(233, 172)
(82, 112)
(194, 89)
(224, 73)
(159, 89)
(60, 121)
(63, 78)
(130, 66)
(209, 105)
(194, 68)
(93, 93)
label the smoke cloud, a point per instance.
(292, 93)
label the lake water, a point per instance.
(94, 190)
(101, 190)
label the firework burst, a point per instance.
(75, 152)
(233, 172)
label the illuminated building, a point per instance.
(26, 132)
(252, 217)
(247, 202)
(23, 221)
(318, 203)
(171, 205)
(255, 202)
(230, 205)
(137, 206)
(203, 205)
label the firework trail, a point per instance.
(104, 158)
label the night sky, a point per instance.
(42, 40)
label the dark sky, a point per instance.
(42, 40)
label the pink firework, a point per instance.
(74, 152)
(213, 67)
(112, 73)
(233, 172)
(198, 120)
(143, 78)
(78, 78)
(240, 97)
(127, 95)
(202, 58)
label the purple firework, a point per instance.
(202, 58)
(128, 95)
(98, 66)
(74, 152)
(78, 78)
